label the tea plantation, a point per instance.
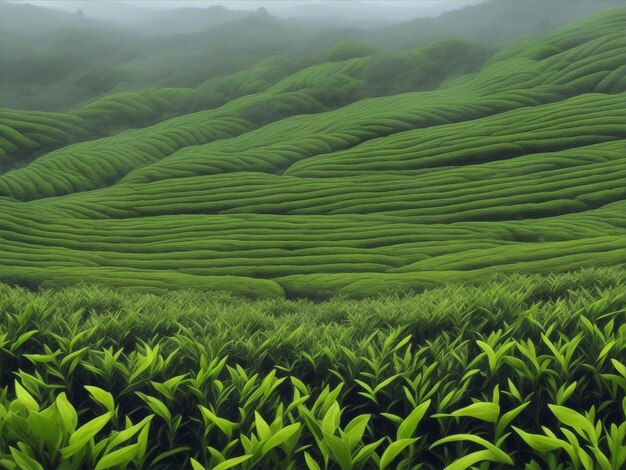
(519, 167)
(380, 259)
(523, 372)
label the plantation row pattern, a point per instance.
(312, 181)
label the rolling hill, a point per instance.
(353, 250)
(375, 171)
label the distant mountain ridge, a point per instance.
(46, 70)
(25, 19)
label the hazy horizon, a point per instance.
(391, 10)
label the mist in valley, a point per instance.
(57, 54)
(312, 234)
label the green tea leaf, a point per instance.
(262, 428)
(494, 451)
(68, 414)
(339, 450)
(169, 453)
(485, 411)
(118, 458)
(230, 463)
(366, 452)
(156, 405)
(195, 465)
(507, 417)
(470, 460)
(574, 420)
(84, 434)
(311, 464)
(539, 442)
(332, 418)
(393, 451)
(101, 396)
(130, 431)
(24, 461)
(280, 437)
(224, 425)
(25, 398)
(355, 429)
(410, 423)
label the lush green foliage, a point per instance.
(519, 167)
(449, 195)
(523, 371)
(270, 89)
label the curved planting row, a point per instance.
(28, 134)
(572, 123)
(506, 85)
(544, 87)
(512, 169)
(270, 97)
(531, 186)
(303, 254)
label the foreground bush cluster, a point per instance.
(523, 371)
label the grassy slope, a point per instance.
(517, 168)
(268, 91)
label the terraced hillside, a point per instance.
(266, 92)
(414, 180)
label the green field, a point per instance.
(288, 190)
(524, 372)
(337, 255)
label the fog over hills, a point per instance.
(55, 58)
(316, 161)
(313, 235)
(353, 12)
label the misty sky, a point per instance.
(390, 9)
(277, 4)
